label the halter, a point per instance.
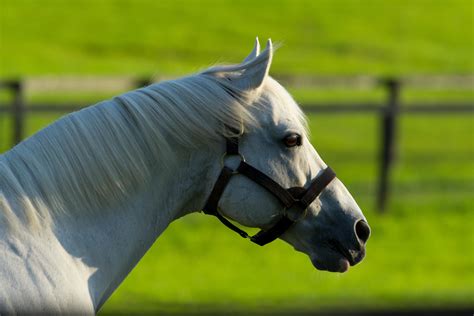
(298, 197)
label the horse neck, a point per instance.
(111, 242)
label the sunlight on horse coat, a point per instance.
(82, 200)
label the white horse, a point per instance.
(82, 200)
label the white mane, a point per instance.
(99, 154)
(94, 157)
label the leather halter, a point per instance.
(298, 197)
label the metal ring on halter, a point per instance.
(234, 171)
(305, 212)
(240, 131)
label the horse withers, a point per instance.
(82, 200)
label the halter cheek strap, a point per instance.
(298, 197)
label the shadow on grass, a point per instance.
(159, 308)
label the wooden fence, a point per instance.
(388, 111)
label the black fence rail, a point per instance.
(388, 111)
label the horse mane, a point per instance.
(99, 154)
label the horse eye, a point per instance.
(292, 140)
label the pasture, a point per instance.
(420, 253)
(318, 37)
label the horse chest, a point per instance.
(35, 275)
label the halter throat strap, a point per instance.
(296, 197)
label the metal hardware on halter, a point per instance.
(297, 196)
(226, 155)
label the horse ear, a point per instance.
(254, 72)
(254, 53)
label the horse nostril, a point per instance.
(362, 231)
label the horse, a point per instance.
(82, 200)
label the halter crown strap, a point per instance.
(288, 197)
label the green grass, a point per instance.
(154, 37)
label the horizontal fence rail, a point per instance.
(334, 108)
(388, 111)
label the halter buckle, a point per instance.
(224, 158)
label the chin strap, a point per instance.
(296, 197)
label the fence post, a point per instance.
(142, 82)
(18, 112)
(388, 140)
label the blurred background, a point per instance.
(388, 89)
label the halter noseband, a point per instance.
(294, 197)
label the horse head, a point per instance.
(273, 178)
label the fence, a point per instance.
(388, 111)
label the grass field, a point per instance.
(318, 37)
(421, 251)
